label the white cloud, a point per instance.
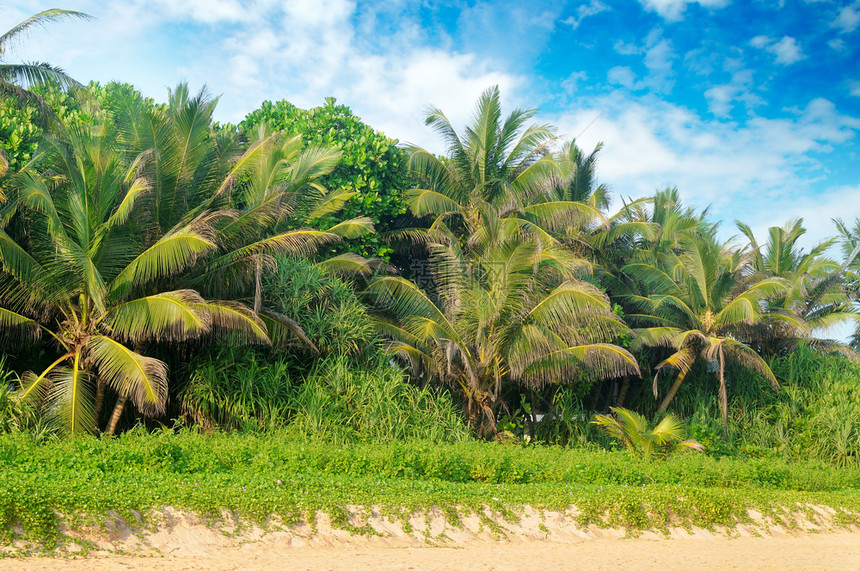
(786, 50)
(300, 50)
(761, 42)
(674, 9)
(584, 11)
(570, 84)
(206, 11)
(837, 44)
(819, 210)
(848, 19)
(759, 168)
(659, 57)
(723, 98)
(855, 88)
(622, 76)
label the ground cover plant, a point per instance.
(257, 477)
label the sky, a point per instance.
(750, 107)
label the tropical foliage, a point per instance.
(509, 304)
(138, 238)
(632, 430)
(371, 175)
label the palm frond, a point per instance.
(142, 379)
(353, 228)
(70, 398)
(234, 321)
(40, 19)
(171, 254)
(281, 329)
(423, 202)
(170, 316)
(749, 359)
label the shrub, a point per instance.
(340, 402)
(325, 307)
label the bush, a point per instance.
(242, 389)
(325, 307)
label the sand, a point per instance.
(539, 540)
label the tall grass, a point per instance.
(815, 414)
(238, 389)
(21, 417)
(338, 400)
(341, 403)
(327, 309)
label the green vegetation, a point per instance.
(372, 170)
(257, 477)
(327, 319)
(633, 431)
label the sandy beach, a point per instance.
(837, 550)
(539, 540)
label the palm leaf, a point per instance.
(142, 379)
(170, 316)
(71, 398)
(18, 328)
(233, 321)
(354, 228)
(749, 359)
(281, 328)
(171, 254)
(423, 202)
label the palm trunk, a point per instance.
(100, 399)
(258, 285)
(671, 394)
(724, 397)
(625, 386)
(117, 413)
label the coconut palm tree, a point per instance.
(15, 78)
(816, 299)
(579, 180)
(280, 202)
(694, 301)
(78, 268)
(515, 315)
(849, 238)
(507, 305)
(499, 166)
(634, 432)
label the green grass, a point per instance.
(84, 478)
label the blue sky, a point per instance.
(752, 107)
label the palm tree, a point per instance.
(78, 267)
(507, 307)
(694, 301)
(816, 299)
(579, 181)
(260, 196)
(849, 237)
(633, 431)
(499, 168)
(15, 78)
(513, 315)
(281, 204)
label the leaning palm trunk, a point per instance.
(116, 415)
(673, 390)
